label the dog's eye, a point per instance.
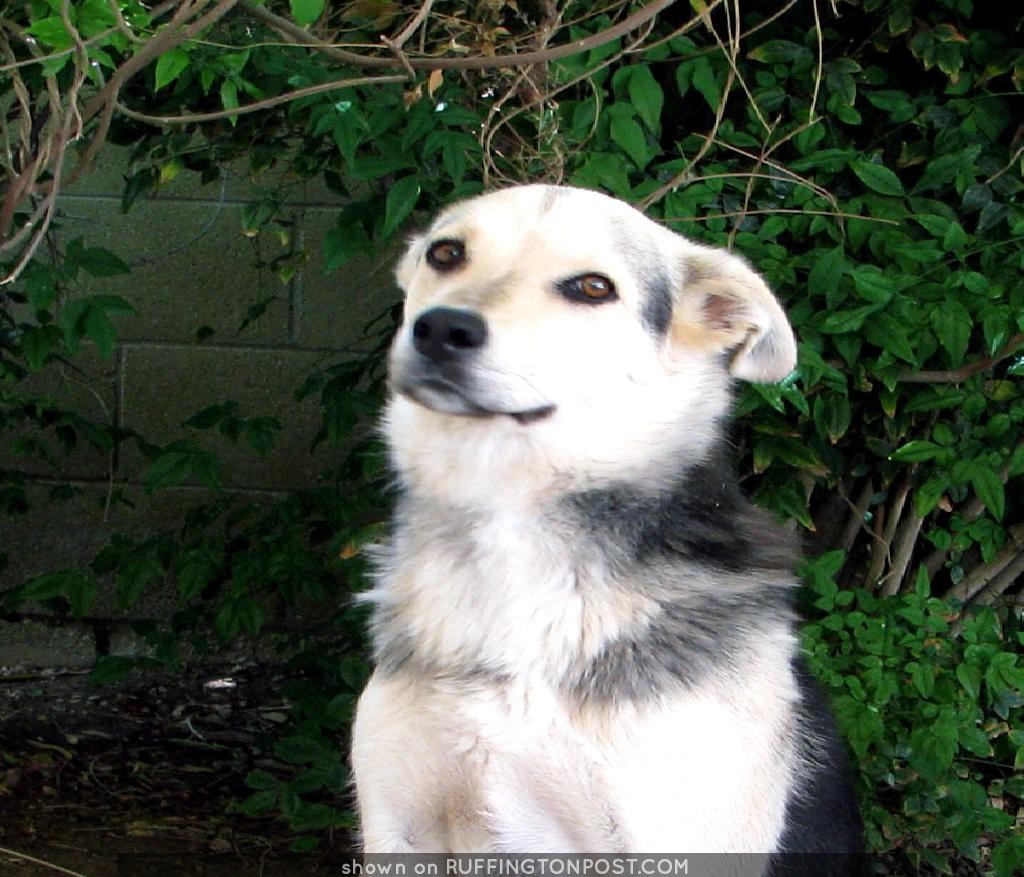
(589, 288)
(446, 255)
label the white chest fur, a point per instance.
(470, 746)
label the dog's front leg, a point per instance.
(400, 777)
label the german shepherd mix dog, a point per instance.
(585, 636)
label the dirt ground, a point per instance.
(135, 779)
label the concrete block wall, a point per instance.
(192, 267)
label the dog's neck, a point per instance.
(502, 581)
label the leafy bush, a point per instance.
(865, 155)
(932, 718)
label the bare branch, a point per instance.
(903, 549)
(267, 103)
(858, 509)
(995, 577)
(958, 376)
(781, 210)
(403, 36)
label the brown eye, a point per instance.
(589, 288)
(446, 255)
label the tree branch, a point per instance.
(958, 376)
(260, 105)
(979, 577)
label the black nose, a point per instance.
(445, 334)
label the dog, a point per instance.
(584, 634)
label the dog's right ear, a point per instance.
(724, 305)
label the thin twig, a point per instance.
(811, 118)
(858, 509)
(1009, 164)
(781, 210)
(25, 857)
(260, 105)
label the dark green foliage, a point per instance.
(868, 164)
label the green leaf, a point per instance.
(46, 587)
(343, 243)
(112, 668)
(877, 177)
(975, 741)
(779, 52)
(400, 203)
(259, 803)
(81, 592)
(170, 66)
(952, 323)
(988, 485)
(135, 573)
(934, 745)
(872, 285)
(646, 95)
(261, 780)
(890, 334)
(97, 261)
(969, 676)
(36, 344)
(1008, 857)
(229, 98)
(828, 269)
(51, 32)
(196, 569)
(916, 451)
(630, 138)
(211, 415)
(848, 321)
(168, 470)
(100, 330)
(299, 749)
(706, 82)
(305, 12)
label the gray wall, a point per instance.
(192, 266)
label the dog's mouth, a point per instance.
(447, 397)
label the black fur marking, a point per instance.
(654, 279)
(657, 309)
(685, 643)
(702, 523)
(704, 518)
(823, 825)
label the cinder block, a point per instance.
(55, 536)
(192, 267)
(87, 387)
(334, 310)
(165, 385)
(237, 183)
(34, 644)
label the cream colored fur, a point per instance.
(470, 746)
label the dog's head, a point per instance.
(557, 336)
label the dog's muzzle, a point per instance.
(448, 342)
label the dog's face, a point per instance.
(556, 336)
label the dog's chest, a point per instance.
(500, 595)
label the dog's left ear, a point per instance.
(726, 305)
